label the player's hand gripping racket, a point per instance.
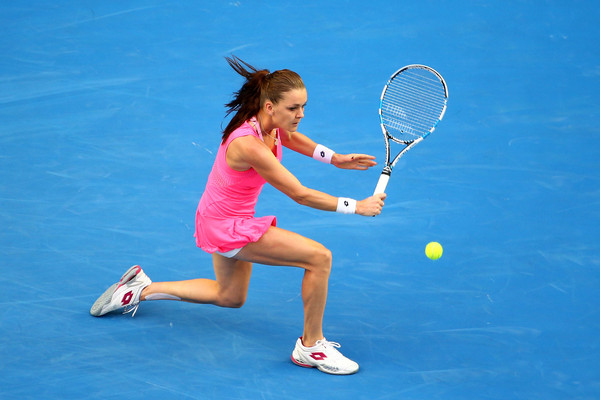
(413, 102)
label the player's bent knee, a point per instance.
(238, 304)
(321, 260)
(327, 257)
(231, 301)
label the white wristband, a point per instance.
(323, 154)
(346, 205)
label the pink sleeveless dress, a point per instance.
(225, 216)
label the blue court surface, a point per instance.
(110, 117)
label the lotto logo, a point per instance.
(322, 154)
(319, 356)
(127, 298)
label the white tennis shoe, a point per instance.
(324, 356)
(125, 293)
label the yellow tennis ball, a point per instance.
(434, 250)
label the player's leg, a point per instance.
(281, 247)
(229, 289)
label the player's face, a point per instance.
(288, 112)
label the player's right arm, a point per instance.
(304, 145)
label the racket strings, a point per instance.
(412, 109)
(412, 104)
(425, 90)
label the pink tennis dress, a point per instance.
(225, 216)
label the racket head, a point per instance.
(412, 103)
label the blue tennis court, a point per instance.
(110, 118)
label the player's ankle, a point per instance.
(145, 292)
(308, 341)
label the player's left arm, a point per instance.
(304, 145)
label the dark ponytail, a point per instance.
(246, 101)
(260, 86)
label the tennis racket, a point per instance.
(413, 102)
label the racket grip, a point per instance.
(382, 183)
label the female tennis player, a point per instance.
(268, 109)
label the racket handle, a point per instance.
(382, 183)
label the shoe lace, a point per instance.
(326, 343)
(131, 308)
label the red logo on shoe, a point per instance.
(318, 356)
(127, 298)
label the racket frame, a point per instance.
(409, 144)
